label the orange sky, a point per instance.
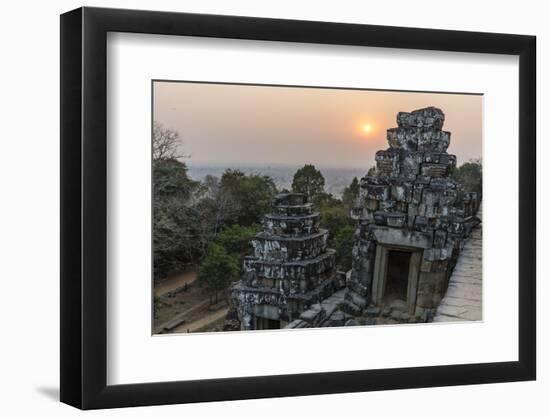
(234, 124)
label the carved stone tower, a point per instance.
(412, 218)
(290, 270)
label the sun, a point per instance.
(367, 127)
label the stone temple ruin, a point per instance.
(412, 220)
(291, 268)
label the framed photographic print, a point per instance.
(258, 207)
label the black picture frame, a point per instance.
(84, 207)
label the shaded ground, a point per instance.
(183, 306)
(175, 282)
(212, 321)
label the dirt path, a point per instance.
(201, 306)
(175, 282)
(202, 322)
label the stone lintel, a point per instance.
(402, 237)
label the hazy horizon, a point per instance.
(336, 179)
(253, 125)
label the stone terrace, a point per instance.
(462, 302)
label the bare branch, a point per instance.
(165, 143)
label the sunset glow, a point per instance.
(367, 128)
(236, 125)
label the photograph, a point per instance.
(294, 207)
(307, 203)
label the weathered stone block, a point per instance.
(401, 206)
(403, 138)
(387, 205)
(380, 218)
(440, 237)
(373, 311)
(371, 204)
(410, 163)
(434, 170)
(387, 162)
(293, 210)
(356, 299)
(430, 287)
(295, 225)
(275, 247)
(421, 222)
(426, 266)
(398, 315)
(314, 315)
(416, 196)
(430, 197)
(359, 288)
(396, 219)
(291, 270)
(350, 308)
(430, 117)
(290, 199)
(447, 159)
(402, 192)
(412, 210)
(267, 311)
(377, 192)
(297, 324)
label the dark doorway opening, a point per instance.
(397, 275)
(268, 324)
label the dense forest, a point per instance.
(207, 225)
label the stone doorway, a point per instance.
(395, 278)
(267, 324)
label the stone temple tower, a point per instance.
(412, 219)
(291, 268)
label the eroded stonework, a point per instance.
(413, 206)
(291, 268)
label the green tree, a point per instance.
(308, 180)
(343, 243)
(350, 193)
(252, 195)
(174, 228)
(324, 201)
(335, 218)
(217, 271)
(470, 175)
(236, 240)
